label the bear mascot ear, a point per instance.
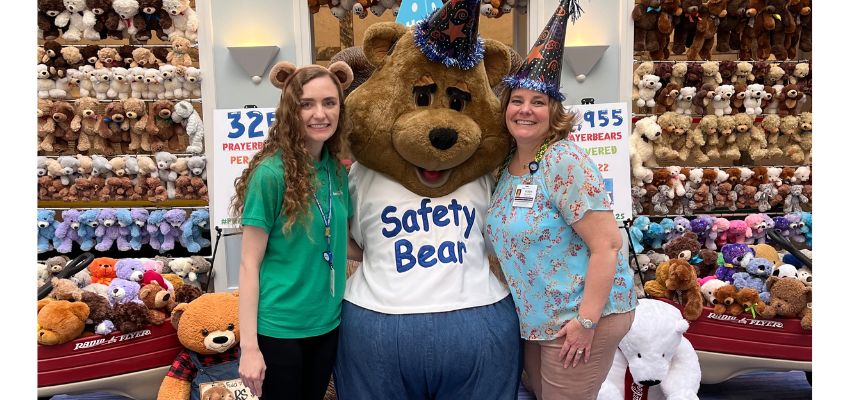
(379, 41)
(497, 61)
(343, 72)
(280, 72)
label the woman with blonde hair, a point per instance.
(294, 206)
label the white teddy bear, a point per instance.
(647, 87)
(78, 21)
(722, 99)
(101, 79)
(752, 98)
(685, 100)
(656, 354)
(171, 82)
(119, 88)
(45, 84)
(646, 131)
(186, 115)
(136, 76)
(184, 20)
(126, 9)
(192, 83)
(153, 84)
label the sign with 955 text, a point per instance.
(238, 135)
(603, 130)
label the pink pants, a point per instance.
(551, 381)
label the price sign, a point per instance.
(603, 130)
(238, 135)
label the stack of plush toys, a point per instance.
(755, 29)
(126, 229)
(76, 20)
(96, 178)
(119, 127)
(724, 264)
(115, 295)
(117, 72)
(361, 8)
(687, 190)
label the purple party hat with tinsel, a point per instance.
(541, 70)
(450, 35)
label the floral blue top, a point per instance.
(544, 260)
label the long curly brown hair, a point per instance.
(287, 135)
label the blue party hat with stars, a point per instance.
(450, 35)
(541, 70)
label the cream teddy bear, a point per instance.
(78, 21)
(645, 132)
(752, 99)
(192, 83)
(647, 87)
(171, 82)
(119, 87)
(186, 115)
(101, 79)
(183, 18)
(684, 101)
(721, 100)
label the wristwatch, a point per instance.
(586, 323)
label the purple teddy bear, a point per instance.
(782, 226)
(681, 225)
(122, 291)
(736, 254)
(110, 230)
(170, 227)
(130, 269)
(795, 227)
(701, 225)
(67, 231)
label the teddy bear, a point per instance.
(790, 138)
(754, 276)
(700, 194)
(199, 266)
(178, 56)
(99, 320)
(85, 123)
(677, 75)
(63, 140)
(102, 270)
(64, 289)
(45, 126)
(702, 98)
(683, 247)
(130, 316)
(789, 298)
(88, 225)
(686, 27)
(186, 115)
(46, 228)
(184, 20)
(193, 185)
(151, 18)
(78, 21)
(748, 299)
(108, 57)
(711, 73)
(657, 354)
(647, 87)
(137, 119)
(636, 232)
(717, 235)
(728, 35)
(725, 300)
(788, 99)
(752, 99)
(654, 236)
(105, 19)
(666, 98)
(720, 102)
(171, 81)
(641, 152)
(150, 186)
(164, 161)
(158, 301)
(144, 58)
(100, 78)
(677, 280)
(192, 230)
(166, 135)
(663, 146)
(644, 68)
(684, 101)
(48, 10)
(60, 321)
(119, 87)
(192, 83)
(708, 287)
(127, 11)
(737, 255)
(770, 124)
(708, 17)
(56, 264)
(121, 291)
(208, 329)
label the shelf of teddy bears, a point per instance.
(721, 155)
(363, 8)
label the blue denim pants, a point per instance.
(473, 353)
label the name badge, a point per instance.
(524, 195)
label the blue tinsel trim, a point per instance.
(514, 82)
(437, 54)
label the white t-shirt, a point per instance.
(420, 254)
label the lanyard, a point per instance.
(326, 219)
(532, 166)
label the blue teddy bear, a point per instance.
(192, 237)
(88, 226)
(807, 227)
(757, 272)
(138, 233)
(46, 229)
(669, 228)
(636, 232)
(155, 237)
(735, 255)
(654, 236)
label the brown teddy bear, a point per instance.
(646, 26)
(60, 321)
(108, 57)
(725, 301)
(806, 136)
(143, 57)
(767, 252)
(709, 16)
(789, 298)
(46, 125)
(694, 144)
(151, 18)
(89, 53)
(165, 136)
(158, 301)
(701, 180)
(703, 98)
(791, 139)
(85, 123)
(665, 100)
(99, 311)
(130, 317)
(178, 56)
(64, 139)
(748, 299)
(670, 134)
(800, 11)
(684, 247)
(208, 327)
(137, 118)
(728, 32)
(149, 186)
(183, 293)
(64, 289)
(748, 189)
(119, 186)
(676, 280)
(788, 98)
(770, 125)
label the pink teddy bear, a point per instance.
(738, 232)
(758, 228)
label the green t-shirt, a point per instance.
(295, 298)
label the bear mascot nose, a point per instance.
(443, 138)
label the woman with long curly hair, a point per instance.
(294, 204)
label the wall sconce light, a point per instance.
(254, 59)
(582, 59)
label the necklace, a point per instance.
(326, 219)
